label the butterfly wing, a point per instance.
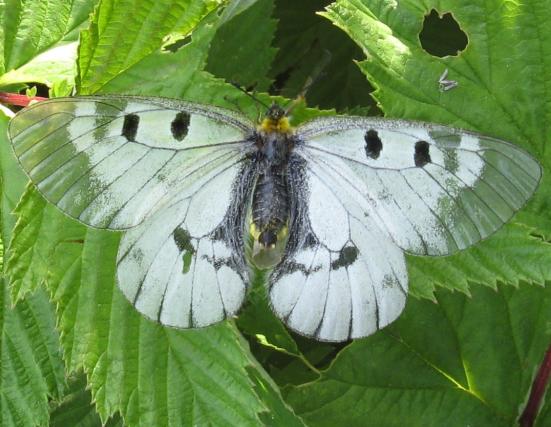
(433, 189)
(341, 277)
(371, 189)
(184, 266)
(174, 174)
(110, 161)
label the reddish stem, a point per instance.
(17, 99)
(538, 389)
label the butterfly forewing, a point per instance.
(170, 172)
(109, 161)
(433, 189)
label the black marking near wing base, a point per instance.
(231, 231)
(218, 263)
(422, 155)
(373, 144)
(130, 127)
(347, 257)
(183, 240)
(300, 234)
(184, 245)
(180, 126)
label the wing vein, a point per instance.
(89, 170)
(434, 214)
(138, 190)
(114, 180)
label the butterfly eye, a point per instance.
(180, 126)
(422, 155)
(373, 144)
(130, 126)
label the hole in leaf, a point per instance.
(441, 35)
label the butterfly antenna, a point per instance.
(317, 72)
(249, 94)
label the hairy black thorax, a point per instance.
(270, 203)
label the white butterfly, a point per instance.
(344, 197)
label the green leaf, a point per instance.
(486, 100)
(76, 408)
(53, 66)
(503, 73)
(182, 70)
(12, 181)
(233, 46)
(198, 374)
(511, 256)
(136, 29)
(31, 366)
(36, 235)
(462, 361)
(306, 42)
(30, 28)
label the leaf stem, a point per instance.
(17, 99)
(538, 389)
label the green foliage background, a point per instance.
(74, 352)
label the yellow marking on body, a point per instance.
(281, 125)
(255, 232)
(281, 234)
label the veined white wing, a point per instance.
(433, 189)
(341, 276)
(373, 188)
(170, 172)
(184, 266)
(109, 161)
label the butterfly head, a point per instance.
(275, 120)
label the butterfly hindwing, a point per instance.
(341, 276)
(184, 265)
(109, 161)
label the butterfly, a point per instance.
(338, 200)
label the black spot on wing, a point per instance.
(183, 240)
(347, 256)
(291, 266)
(310, 241)
(373, 144)
(422, 155)
(180, 126)
(184, 245)
(219, 262)
(130, 126)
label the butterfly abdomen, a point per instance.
(270, 208)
